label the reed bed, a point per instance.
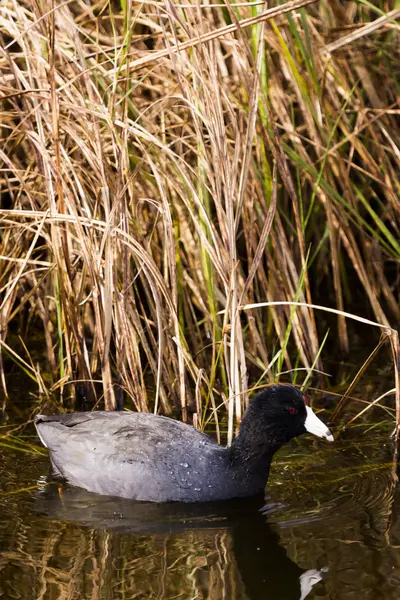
(164, 164)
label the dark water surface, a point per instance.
(330, 528)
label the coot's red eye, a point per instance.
(292, 410)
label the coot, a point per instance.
(147, 457)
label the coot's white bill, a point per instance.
(316, 426)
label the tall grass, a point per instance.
(164, 163)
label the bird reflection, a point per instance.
(262, 568)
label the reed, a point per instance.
(164, 164)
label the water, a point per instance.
(330, 528)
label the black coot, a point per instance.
(146, 457)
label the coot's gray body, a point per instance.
(94, 450)
(152, 458)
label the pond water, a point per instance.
(329, 528)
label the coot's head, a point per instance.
(279, 413)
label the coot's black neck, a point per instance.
(252, 450)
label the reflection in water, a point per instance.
(232, 536)
(331, 513)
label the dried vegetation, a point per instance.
(163, 164)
